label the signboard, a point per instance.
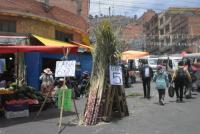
(116, 75)
(65, 68)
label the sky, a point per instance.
(136, 7)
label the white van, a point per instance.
(133, 64)
(151, 61)
(170, 62)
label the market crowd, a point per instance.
(178, 82)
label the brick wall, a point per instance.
(35, 27)
(146, 16)
(194, 25)
(136, 30)
(72, 6)
(25, 26)
(132, 31)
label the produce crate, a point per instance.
(11, 114)
(16, 107)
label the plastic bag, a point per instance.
(171, 90)
(67, 99)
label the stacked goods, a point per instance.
(24, 96)
(16, 114)
(16, 110)
(6, 91)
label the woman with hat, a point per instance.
(47, 81)
(162, 82)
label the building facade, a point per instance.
(134, 33)
(152, 34)
(178, 30)
(31, 16)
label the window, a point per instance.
(167, 28)
(161, 31)
(7, 26)
(161, 21)
(66, 37)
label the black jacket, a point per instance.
(142, 72)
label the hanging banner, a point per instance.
(65, 68)
(116, 75)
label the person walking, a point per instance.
(47, 82)
(146, 73)
(181, 78)
(161, 80)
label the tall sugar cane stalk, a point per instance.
(105, 53)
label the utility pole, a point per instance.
(109, 14)
(99, 8)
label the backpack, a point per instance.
(180, 75)
(160, 81)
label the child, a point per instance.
(162, 82)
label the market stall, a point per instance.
(15, 100)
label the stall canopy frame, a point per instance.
(131, 54)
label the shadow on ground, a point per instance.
(51, 113)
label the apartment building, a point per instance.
(151, 31)
(177, 29)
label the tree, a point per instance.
(106, 52)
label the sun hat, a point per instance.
(47, 71)
(61, 79)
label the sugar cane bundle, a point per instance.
(106, 52)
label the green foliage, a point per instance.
(107, 42)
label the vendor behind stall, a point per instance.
(47, 82)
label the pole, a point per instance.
(17, 68)
(75, 106)
(62, 106)
(63, 99)
(64, 87)
(109, 14)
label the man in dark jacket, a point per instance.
(146, 74)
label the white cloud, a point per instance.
(132, 7)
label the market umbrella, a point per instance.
(133, 54)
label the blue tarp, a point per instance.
(34, 65)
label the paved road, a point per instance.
(146, 117)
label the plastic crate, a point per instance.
(11, 114)
(16, 107)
